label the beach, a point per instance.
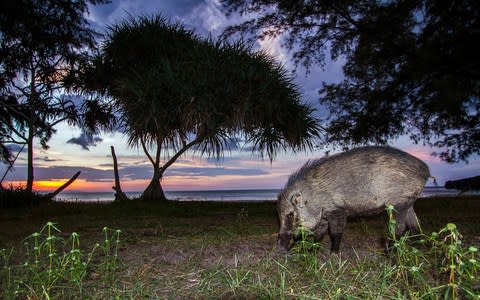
(225, 250)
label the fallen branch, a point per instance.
(64, 186)
(119, 195)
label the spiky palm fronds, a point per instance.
(175, 88)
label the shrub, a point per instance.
(17, 197)
(436, 266)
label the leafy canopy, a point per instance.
(176, 90)
(40, 41)
(412, 67)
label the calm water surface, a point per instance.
(215, 195)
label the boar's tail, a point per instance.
(434, 180)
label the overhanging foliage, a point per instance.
(412, 67)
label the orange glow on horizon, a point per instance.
(169, 183)
(52, 185)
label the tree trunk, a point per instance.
(154, 190)
(119, 194)
(64, 186)
(31, 125)
(29, 186)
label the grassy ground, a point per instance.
(227, 250)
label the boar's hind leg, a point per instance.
(412, 221)
(336, 225)
(285, 233)
(402, 219)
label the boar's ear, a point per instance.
(297, 200)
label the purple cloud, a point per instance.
(85, 141)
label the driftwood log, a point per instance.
(119, 194)
(64, 186)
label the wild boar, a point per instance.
(361, 182)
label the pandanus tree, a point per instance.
(177, 92)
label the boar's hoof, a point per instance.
(283, 241)
(282, 250)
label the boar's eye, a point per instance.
(297, 200)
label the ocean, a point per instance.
(208, 195)
(213, 195)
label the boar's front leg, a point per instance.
(285, 233)
(336, 225)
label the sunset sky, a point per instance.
(70, 152)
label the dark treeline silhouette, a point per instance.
(464, 184)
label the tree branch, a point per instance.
(178, 154)
(142, 142)
(18, 133)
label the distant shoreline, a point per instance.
(255, 195)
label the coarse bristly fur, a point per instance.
(323, 192)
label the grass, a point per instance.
(204, 250)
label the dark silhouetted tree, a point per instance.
(412, 67)
(177, 92)
(41, 41)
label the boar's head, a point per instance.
(298, 206)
